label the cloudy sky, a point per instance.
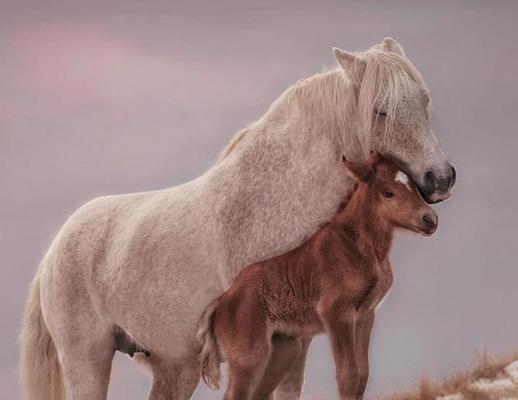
(122, 96)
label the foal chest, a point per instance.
(382, 282)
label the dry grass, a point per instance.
(487, 368)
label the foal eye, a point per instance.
(388, 194)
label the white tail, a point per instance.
(40, 373)
(209, 356)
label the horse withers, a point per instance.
(332, 284)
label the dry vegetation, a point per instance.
(487, 381)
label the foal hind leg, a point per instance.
(285, 351)
(291, 386)
(244, 377)
(247, 359)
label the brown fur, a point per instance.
(330, 284)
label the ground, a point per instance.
(491, 379)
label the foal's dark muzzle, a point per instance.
(429, 222)
(437, 183)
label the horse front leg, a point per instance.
(341, 329)
(363, 334)
(173, 380)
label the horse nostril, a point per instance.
(453, 176)
(430, 180)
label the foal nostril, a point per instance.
(430, 221)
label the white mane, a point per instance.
(387, 81)
(330, 99)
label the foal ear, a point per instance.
(361, 170)
(375, 158)
(392, 46)
(353, 67)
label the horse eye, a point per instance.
(381, 113)
(388, 194)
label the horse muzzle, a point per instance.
(437, 183)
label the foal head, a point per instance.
(393, 197)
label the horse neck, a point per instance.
(287, 166)
(360, 219)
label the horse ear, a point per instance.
(362, 171)
(392, 46)
(353, 67)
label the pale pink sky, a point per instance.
(121, 96)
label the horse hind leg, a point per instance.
(84, 341)
(86, 365)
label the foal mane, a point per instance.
(330, 99)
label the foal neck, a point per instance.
(362, 223)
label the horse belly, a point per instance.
(159, 274)
(162, 311)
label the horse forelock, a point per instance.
(388, 81)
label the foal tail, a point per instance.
(40, 372)
(210, 357)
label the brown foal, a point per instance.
(332, 284)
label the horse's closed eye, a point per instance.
(381, 113)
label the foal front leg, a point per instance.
(363, 333)
(341, 330)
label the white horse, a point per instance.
(138, 269)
